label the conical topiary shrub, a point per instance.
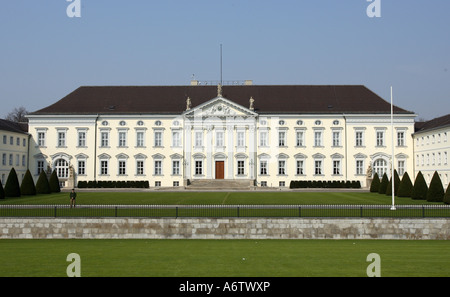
(406, 186)
(384, 184)
(420, 188)
(375, 185)
(396, 185)
(436, 190)
(42, 184)
(12, 187)
(27, 187)
(447, 195)
(2, 191)
(54, 183)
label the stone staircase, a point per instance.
(220, 184)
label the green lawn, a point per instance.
(215, 198)
(225, 258)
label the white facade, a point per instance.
(431, 151)
(13, 153)
(220, 139)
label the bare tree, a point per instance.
(17, 115)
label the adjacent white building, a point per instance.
(432, 148)
(13, 149)
(267, 134)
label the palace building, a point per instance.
(266, 135)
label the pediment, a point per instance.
(219, 107)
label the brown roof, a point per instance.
(435, 123)
(6, 125)
(302, 99)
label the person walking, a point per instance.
(73, 196)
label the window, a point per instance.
(61, 138)
(240, 167)
(281, 167)
(81, 138)
(336, 138)
(81, 167)
(140, 139)
(140, 167)
(445, 158)
(240, 139)
(300, 167)
(122, 167)
(380, 167)
(359, 138)
(11, 140)
(198, 139)
(380, 138)
(157, 184)
(401, 138)
(158, 167)
(62, 168)
(11, 159)
(176, 140)
(24, 160)
(263, 138)
(318, 167)
(40, 166)
(336, 167)
(281, 138)
(198, 167)
(282, 184)
(3, 159)
(104, 139)
(158, 138)
(176, 167)
(263, 184)
(317, 138)
(359, 167)
(263, 167)
(219, 138)
(300, 138)
(104, 167)
(5, 139)
(18, 141)
(401, 167)
(176, 183)
(122, 139)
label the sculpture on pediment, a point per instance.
(188, 103)
(219, 90)
(251, 103)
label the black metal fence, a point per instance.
(222, 211)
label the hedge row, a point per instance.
(295, 184)
(28, 188)
(113, 184)
(405, 188)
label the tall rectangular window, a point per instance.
(336, 167)
(198, 167)
(122, 139)
(359, 138)
(81, 138)
(61, 138)
(299, 138)
(263, 138)
(4, 159)
(176, 167)
(219, 138)
(317, 138)
(401, 138)
(40, 166)
(380, 138)
(240, 167)
(281, 138)
(158, 167)
(240, 139)
(104, 139)
(300, 167)
(122, 167)
(318, 167)
(336, 138)
(81, 167)
(401, 167)
(281, 167)
(140, 139)
(103, 167)
(263, 167)
(140, 167)
(198, 139)
(176, 139)
(359, 167)
(158, 138)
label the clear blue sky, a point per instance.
(44, 54)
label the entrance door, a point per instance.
(220, 168)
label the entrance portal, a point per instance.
(220, 169)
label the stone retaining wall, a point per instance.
(224, 228)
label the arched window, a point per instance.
(62, 168)
(380, 167)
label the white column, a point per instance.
(230, 151)
(209, 152)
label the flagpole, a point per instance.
(392, 158)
